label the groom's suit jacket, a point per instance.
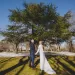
(32, 50)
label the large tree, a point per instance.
(43, 20)
(38, 17)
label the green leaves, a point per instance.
(15, 15)
(42, 19)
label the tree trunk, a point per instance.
(70, 46)
(16, 48)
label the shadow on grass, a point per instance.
(70, 62)
(66, 67)
(21, 62)
(4, 62)
(41, 73)
(37, 62)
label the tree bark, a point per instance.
(70, 46)
(16, 48)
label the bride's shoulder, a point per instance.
(40, 45)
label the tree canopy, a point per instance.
(43, 20)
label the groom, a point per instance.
(32, 53)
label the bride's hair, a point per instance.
(41, 42)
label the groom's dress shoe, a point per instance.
(33, 67)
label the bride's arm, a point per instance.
(37, 51)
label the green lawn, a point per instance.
(63, 65)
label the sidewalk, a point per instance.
(9, 54)
(64, 53)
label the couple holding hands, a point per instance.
(44, 65)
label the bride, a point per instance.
(44, 65)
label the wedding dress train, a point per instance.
(44, 65)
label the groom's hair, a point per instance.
(32, 39)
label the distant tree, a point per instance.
(14, 34)
(71, 20)
(68, 19)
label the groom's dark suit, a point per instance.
(32, 54)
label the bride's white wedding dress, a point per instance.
(44, 65)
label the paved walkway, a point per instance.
(63, 53)
(9, 54)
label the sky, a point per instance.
(62, 7)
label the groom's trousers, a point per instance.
(32, 59)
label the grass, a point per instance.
(63, 65)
